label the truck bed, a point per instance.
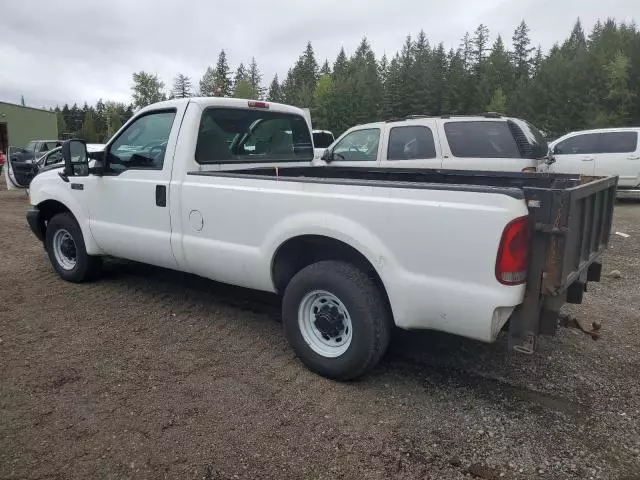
(570, 219)
(508, 183)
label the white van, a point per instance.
(600, 152)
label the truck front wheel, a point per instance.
(336, 320)
(67, 252)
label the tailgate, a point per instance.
(582, 219)
(571, 223)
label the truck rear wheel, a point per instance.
(65, 245)
(336, 320)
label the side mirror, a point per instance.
(327, 156)
(550, 159)
(76, 160)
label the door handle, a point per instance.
(161, 195)
(588, 159)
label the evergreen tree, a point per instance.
(299, 86)
(208, 83)
(498, 102)
(619, 97)
(499, 71)
(182, 87)
(147, 89)
(255, 78)
(326, 69)
(100, 121)
(239, 77)
(455, 98)
(420, 84)
(22, 101)
(466, 48)
(244, 89)
(522, 50)
(577, 41)
(341, 65)
(366, 88)
(383, 69)
(89, 133)
(62, 125)
(115, 117)
(221, 78)
(275, 91)
(480, 46)
(322, 114)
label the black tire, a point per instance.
(87, 267)
(370, 318)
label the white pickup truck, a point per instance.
(224, 188)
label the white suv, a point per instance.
(484, 142)
(606, 151)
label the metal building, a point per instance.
(19, 125)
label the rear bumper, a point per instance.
(628, 193)
(34, 220)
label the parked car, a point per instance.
(33, 150)
(20, 173)
(607, 151)
(352, 251)
(488, 142)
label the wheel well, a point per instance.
(48, 209)
(300, 252)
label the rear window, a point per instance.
(240, 135)
(481, 139)
(618, 142)
(322, 139)
(408, 143)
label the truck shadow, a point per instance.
(441, 360)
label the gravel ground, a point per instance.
(155, 374)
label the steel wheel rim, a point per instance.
(64, 249)
(325, 324)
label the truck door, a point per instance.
(129, 212)
(576, 154)
(411, 145)
(618, 154)
(358, 148)
(19, 173)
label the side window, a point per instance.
(481, 139)
(44, 147)
(360, 145)
(618, 142)
(248, 135)
(53, 157)
(143, 144)
(580, 144)
(408, 143)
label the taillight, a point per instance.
(530, 170)
(513, 253)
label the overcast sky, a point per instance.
(54, 52)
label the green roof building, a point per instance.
(19, 125)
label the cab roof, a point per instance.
(225, 102)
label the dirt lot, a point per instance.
(154, 374)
